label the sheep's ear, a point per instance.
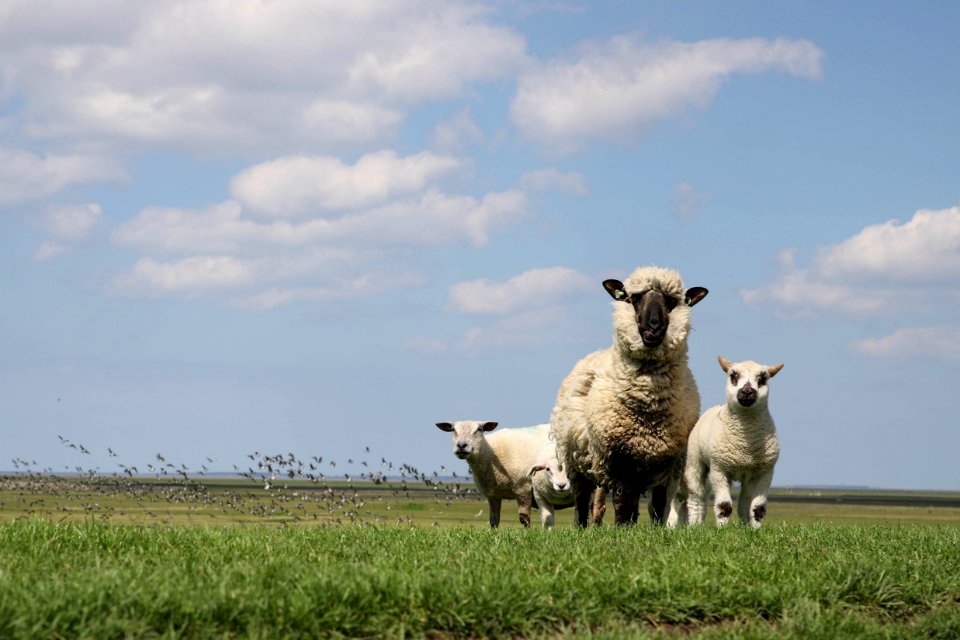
(489, 426)
(774, 369)
(695, 295)
(535, 468)
(444, 426)
(725, 364)
(616, 289)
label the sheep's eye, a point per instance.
(734, 377)
(761, 379)
(670, 301)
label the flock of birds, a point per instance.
(273, 487)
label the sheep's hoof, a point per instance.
(759, 512)
(724, 509)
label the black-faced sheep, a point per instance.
(623, 414)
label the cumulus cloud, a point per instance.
(938, 343)
(296, 185)
(244, 75)
(886, 266)
(615, 91)
(26, 176)
(533, 288)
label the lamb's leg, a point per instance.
(494, 504)
(678, 506)
(546, 513)
(722, 502)
(698, 488)
(524, 505)
(757, 506)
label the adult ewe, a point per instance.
(623, 414)
(736, 441)
(501, 463)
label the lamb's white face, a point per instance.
(747, 383)
(556, 473)
(467, 435)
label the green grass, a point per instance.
(95, 580)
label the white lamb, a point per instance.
(551, 486)
(501, 463)
(623, 414)
(732, 442)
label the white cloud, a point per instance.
(69, 225)
(885, 266)
(571, 183)
(534, 288)
(25, 176)
(924, 249)
(72, 223)
(938, 343)
(686, 201)
(248, 75)
(191, 276)
(527, 329)
(293, 186)
(615, 91)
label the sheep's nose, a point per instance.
(561, 486)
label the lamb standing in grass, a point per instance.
(551, 486)
(500, 462)
(732, 442)
(623, 414)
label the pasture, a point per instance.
(112, 557)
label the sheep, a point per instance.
(624, 413)
(551, 487)
(732, 442)
(501, 463)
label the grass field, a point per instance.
(111, 557)
(789, 580)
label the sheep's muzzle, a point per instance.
(747, 395)
(653, 317)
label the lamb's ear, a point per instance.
(616, 289)
(725, 364)
(695, 295)
(444, 426)
(535, 468)
(489, 426)
(774, 369)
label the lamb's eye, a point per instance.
(761, 379)
(734, 377)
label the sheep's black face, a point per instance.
(652, 309)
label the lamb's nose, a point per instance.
(561, 486)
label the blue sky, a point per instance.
(317, 227)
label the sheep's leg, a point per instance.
(626, 504)
(524, 504)
(599, 505)
(494, 504)
(722, 502)
(757, 506)
(658, 504)
(581, 510)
